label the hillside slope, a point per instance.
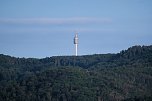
(101, 77)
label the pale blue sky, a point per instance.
(44, 28)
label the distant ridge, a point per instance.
(134, 52)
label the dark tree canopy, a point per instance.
(125, 76)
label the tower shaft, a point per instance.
(76, 49)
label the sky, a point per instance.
(45, 28)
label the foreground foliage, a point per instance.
(125, 76)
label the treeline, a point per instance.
(125, 76)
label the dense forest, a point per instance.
(125, 76)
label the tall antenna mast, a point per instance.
(76, 44)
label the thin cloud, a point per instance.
(57, 21)
(52, 31)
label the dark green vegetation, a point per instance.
(126, 76)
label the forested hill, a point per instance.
(125, 76)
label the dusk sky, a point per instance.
(44, 28)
